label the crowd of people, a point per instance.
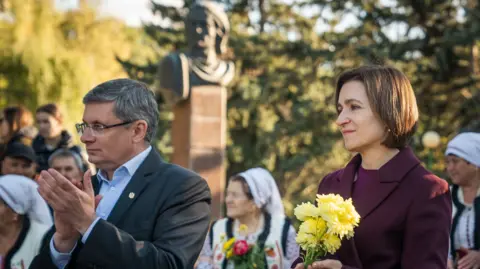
(138, 211)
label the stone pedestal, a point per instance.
(199, 138)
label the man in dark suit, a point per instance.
(137, 211)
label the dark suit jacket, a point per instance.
(405, 216)
(163, 226)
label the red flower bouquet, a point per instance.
(243, 255)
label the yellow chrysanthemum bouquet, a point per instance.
(325, 225)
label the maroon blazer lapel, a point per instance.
(344, 183)
(389, 177)
(343, 186)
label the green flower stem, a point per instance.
(312, 254)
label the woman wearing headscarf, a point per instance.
(463, 167)
(24, 221)
(252, 199)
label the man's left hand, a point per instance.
(74, 204)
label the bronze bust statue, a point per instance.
(207, 30)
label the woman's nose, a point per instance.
(342, 119)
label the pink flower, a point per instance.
(240, 248)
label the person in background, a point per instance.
(16, 125)
(51, 135)
(253, 200)
(405, 210)
(19, 159)
(24, 221)
(463, 167)
(68, 163)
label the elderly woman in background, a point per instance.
(24, 221)
(253, 200)
(463, 167)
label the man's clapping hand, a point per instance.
(73, 203)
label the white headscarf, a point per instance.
(21, 195)
(466, 146)
(264, 190)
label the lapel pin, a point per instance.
(131, 195)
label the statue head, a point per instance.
(207, 28)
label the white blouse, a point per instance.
(292, 249)
(464, 234)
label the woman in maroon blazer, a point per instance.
(405, 210)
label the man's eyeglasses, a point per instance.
(97, 128)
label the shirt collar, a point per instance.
(130, 167)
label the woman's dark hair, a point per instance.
(17, 117)
(245, 186)
(53, 110)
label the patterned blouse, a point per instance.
(292, 249)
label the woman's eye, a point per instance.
(355, 107)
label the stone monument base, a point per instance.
(199, 138)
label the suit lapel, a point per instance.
(344, 187)
(346, 178)
(375, 193)
(387, 180)
(137, 184)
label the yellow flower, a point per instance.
(306, 210)
(325, 225)
(229, 253)
(340, 215)
(328, 206)
(309, 226)
(222, 237)
(310, 232)
(346, 219)
(306, 240)
(329, 199)
(243, 229)
(228, 244)
(331, 243)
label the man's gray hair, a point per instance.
(66, 153)
(133, 101)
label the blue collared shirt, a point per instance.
(110, 191)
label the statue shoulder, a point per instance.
(173, 75)
(169, 62)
